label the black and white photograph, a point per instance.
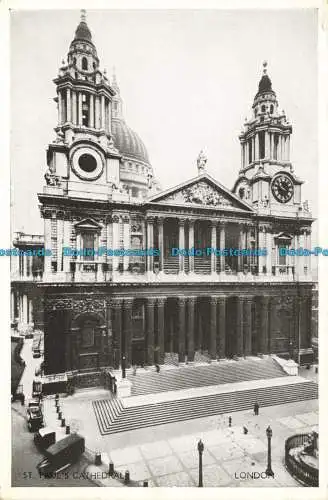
(164, 248)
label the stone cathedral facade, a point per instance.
(101, 193)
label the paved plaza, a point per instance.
(167, 455)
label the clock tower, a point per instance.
(266, 178)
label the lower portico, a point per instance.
(144, 325)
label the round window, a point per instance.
(87, 163)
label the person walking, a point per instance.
(256, 408)
(230, 421)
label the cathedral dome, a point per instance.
(128, 142)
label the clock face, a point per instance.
(87, 163)
(282, 188)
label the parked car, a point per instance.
(61, 454)
(44, 438)
(34, 418)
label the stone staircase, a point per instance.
(186, 377)
(151, 414)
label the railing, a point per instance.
(303, 472)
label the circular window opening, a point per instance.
(88, 163)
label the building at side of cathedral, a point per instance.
(100, 192)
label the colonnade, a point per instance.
(72, 103)
(276, 147)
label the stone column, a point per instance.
(182, 328)
(103, 112)
(92, 111)
(261, 258)
(181, 223)
(74, 110)
(60, 108)
(150, 303)
(269, 251)
(80, 109)
(191, 328)
(257, 147)
(160, 328)
(97, 112)
(191, 244)
(222, 246)
(239, 327)
(264, 324)
(288, 149)
(213, 246)
(69, 105)
(160, 222)
(67, 242)
(212, 349)
(116, 305)
(116, 240)
(150, 243)
(248, 325)
(240, 243)
(221, 340)
(25, 317)
(127, 325)
(60, 237)
(126, 241)
(267, 145)
(30, 311)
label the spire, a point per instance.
(265, 84)
(82, 31)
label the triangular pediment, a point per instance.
(88, 224)
(202, 191)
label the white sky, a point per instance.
(188, 79)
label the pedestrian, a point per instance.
(134, 369)
(230, 421)
(245, 430)
(256, 408)
(115, 388)
(157, 368)
(23, 399)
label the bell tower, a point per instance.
(83, 151)
(266, 177)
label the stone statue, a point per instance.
(51, 179)
(201, 162)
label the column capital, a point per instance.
(214, 300)
(214, 222)
(126, 219)
(182, 299)
(265, 300)
(192, 300)
(181, 221)
(116, 302)
(150, 302)
(115, 218)
(160, 220)
(222, 299)
(150, 219)
(128, 301)
(161, 301)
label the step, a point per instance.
(153, 414)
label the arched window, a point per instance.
(263, 108)
(271, 108)
(241, 193)
(74, 61)
(84, 63)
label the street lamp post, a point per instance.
(123, 367)
(269, 471)
(200, 447)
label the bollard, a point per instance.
(68, 429)
(63, 424)
(57, 396)
(98, 458)
(57, 409)
(60, 414)
(126, 477)
(111, 469)
(145, 484)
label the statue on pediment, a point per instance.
(201, 162)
